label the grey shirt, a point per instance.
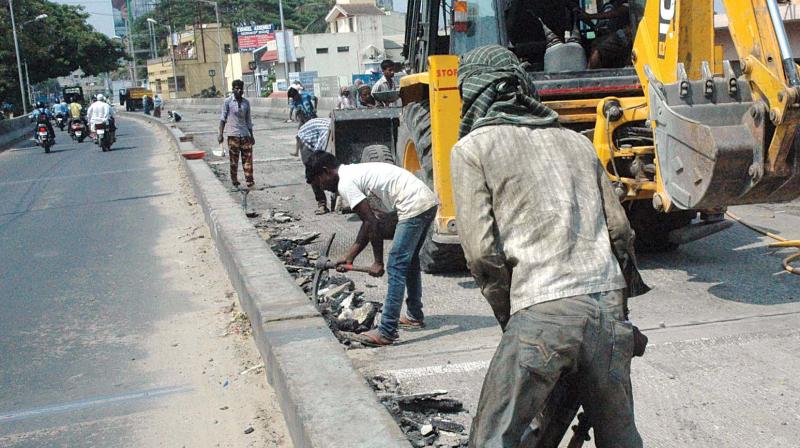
(236, 116)
(531, 209)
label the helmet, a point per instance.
(100, 97)
(40, 105)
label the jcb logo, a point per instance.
(666, 13)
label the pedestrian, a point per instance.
(236, 115)
(345, 100)
(146, 104)
(157, 106)
(386, 83)
(313, 137)
(396, 190)
(549, 244)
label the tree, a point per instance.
(53, 47)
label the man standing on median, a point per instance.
(549, 244)
(397, 189)
(236, 116)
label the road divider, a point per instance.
(13, 129)
(326, 402)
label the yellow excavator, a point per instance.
(683, 134)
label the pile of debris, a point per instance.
(345, 308)
(425, 418)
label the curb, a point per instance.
(325, 401)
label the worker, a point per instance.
(397, 190)
(387, 83)
(365, 98)
(613, 43)
(157, 106)
(345, 100)
(548, 243)
(305, 104)
(236, 114)
(313, 137)
(296, 85)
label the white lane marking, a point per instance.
(72, 176)
(419, 372)
(96, 402)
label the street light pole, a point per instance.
(28, 83)
(172, 58)
(19, 65)
(285, 44)
(150, 33)
(221, 53)
(129, 36)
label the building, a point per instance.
(197, 63)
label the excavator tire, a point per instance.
(652, 227)
(415, 126)
(377, 153)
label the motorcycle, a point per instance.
(104, 136)
(60, 122)
(78, 131)
(43, 137)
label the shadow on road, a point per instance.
(737, 264)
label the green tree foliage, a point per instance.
(53, 47)
(303, 16)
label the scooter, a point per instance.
(77, 131)
(43, 137)
(60, 122)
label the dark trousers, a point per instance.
(241, 146)
(581, 335)
(305, 154)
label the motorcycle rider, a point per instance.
(61, 110)
(76, 113)
(100, 111)
(42, 115)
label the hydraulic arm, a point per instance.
(724, 135)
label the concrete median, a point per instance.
(326, 402)
(14, 129)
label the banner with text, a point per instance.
(252, 37)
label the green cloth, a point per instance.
(496, 89)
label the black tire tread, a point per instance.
(415, 124)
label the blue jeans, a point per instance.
(404, 272)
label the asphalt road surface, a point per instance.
(118, 326)
(723, 318)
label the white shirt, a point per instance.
(396, 188)
(99, 112)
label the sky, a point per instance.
(100, 10)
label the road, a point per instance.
(118, 326)
(723, 318)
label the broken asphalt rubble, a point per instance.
(424, 418)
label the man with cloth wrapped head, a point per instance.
(551, 249)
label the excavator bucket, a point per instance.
(711, 142)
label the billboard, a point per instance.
(255, 36)
(119, 9)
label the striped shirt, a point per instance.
(532, 201)
(314, 133)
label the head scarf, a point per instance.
(496, 89)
